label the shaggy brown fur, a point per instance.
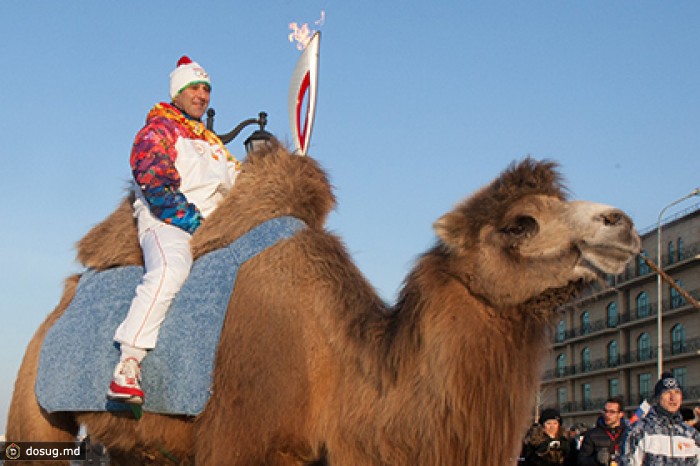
(313, 367)
(112, 242)
(26, 419)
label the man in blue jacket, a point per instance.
(601, 445)
(661, 437)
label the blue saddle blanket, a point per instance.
(78, 354)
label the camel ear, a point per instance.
(452, 229)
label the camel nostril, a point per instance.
(612, 218)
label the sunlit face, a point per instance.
(551, 427)
(671, 400)
(193, 100)
(612, 414)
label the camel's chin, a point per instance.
(597, 262)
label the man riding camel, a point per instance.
(181, 172)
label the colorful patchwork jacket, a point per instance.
(661, 439)
(181, 170)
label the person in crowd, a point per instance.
(691, 416)
(576, 433)
(181, 172)
(601, 444)
(575, 436)
(661, 437)
(547, 445)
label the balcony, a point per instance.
(625, 319)
(674, 303)
(585, 330)
(583, 368)
(636, 270)
(689, 347)
(634, 357)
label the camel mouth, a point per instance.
(601, 260)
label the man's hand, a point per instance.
(603, 456)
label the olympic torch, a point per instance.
(303, 90)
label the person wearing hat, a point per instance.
(181, 172)
(547, 446)
(661, 437)
(601, 444)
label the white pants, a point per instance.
(167, 259)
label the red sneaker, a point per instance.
(125, 384)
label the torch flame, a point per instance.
(303, 34)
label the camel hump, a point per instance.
(273, 182)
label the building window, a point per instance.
(561, 365)
(585, 323)
(613, 388)
(613, 354)
(563, 398)
(586, 396)
(612, 315)
(671, 253)
(610, 279)
(642, 305)
(642, 267)
(586, 360)
(561, 331)
(643, 347)
(677, 339)
(680, 249)
(676, 299)
(645, 387)
(679, 374)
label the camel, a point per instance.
(314, 368)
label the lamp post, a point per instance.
(659, 301)
(255, 140)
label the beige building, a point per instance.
(606, 342)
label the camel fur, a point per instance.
(313, 367)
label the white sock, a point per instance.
(129, 351)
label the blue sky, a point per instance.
(419, 105)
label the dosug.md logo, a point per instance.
(12, 451)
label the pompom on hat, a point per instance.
(186, 73)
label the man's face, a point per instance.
(193, 100)
(612, 414)
(671, 400)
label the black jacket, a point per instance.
(598, 438)
(541, 450)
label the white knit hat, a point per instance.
(185, 74)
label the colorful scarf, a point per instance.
(196, 127)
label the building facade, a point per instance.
(606, 343)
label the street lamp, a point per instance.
(254, 141)
(659, 331)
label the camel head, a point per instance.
(519, 237)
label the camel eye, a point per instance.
(522, 226)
